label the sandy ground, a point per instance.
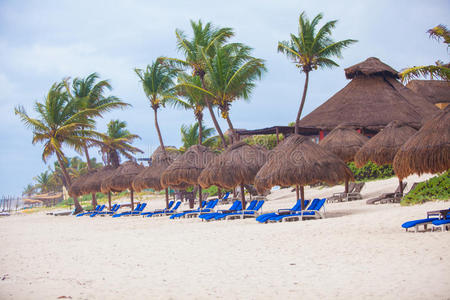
(357, 252)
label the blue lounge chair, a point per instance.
(135, 212)
(236, 206)
(249, 212)
(424, 222)
(284, 211)
(443, 224)
(190, 213)
(250, 207)
(158, 210)
(98, 208)
(164, 212)
(113, 210)
(312, 212)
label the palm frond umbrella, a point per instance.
(76, 189)
(427, 151)
(93, 183)
(150, 177)
(121, 179)
(187, 168)
(382, 147)
(299, 161)
(344, 141)
(236, 166)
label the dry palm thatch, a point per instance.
(187, 168)
(344, 141)
(237, 165)
(371, 100)
(76, 189)
(427, 151)
(436, 91)
(299, 161)
(382, 148)
(172, 153)
(122, 177)
(93, 183)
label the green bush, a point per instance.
(371, 171)
(268, 141)
(435, 188)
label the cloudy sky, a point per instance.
(42, 42)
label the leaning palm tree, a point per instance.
(312, 49)
(437, 71)
(117, 142)
(203, 40)
(59, 123)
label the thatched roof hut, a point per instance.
(236, 166)
(371, 100)
(382, 147)
(187, 168)
(93, 183)
(76, 189)
(122, 177)
(150, 177)
(427, 151)
(299, 161)
(344, 141)
(435, 91)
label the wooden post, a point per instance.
(132, 198)
(242, 196)
(302, 196)
(401, 186)
(167, 197)
(200, 196)
(297, 194)
(277, 132)
(346, 186)
(109, 200)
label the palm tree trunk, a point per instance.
(162, 147)
(200, 129)
(213, 116)
(88, 161)
(299, 114)
(302, 196)
(77, 205)
(230, 125)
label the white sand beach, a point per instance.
(358, 251)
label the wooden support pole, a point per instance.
(132, 198)
(297, 194)
(109, 200)
(166, 190)
(346, 186)
(200, 196)
(302, 196)
(242, 196)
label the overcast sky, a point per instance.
(42, 42)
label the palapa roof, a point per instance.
(238, 164)
(187, 168)
(371, 100)
(299, 161)
(382, 147)
(428, 150)
(344, 141)
(150, 177)
(93, 183)
(76, 189)
(435, 91)
(122, 177)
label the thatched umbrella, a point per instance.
(187, 168)
(93, 183)
(344, 141)
(299, 161)
(150, 177)
(373, 98)
(122, 178)
(382, 148)
(427, 151)
(76, 189)
(435, 91)
(237, 165)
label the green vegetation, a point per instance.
(436, 188)
(371, 171)
(267, 141)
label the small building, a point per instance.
(435, 91)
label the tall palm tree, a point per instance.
(312, 49)
(439, 70)
(117, 142)
(195, 50)
(59, 123)
(190, 134)
(44, 182)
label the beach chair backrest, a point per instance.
(351, 186)
(214, 203)
(239, 205)
(203, 204)
(142, 206)
(116, 208)
(176, 205)
(359, 187)
(320, 204)
(258, 205)
(97, 208)
(170, 204)
(235, 205)
(137, 207)
(297, 206)
(226, 196)
(211, 203)
(413, 187)
(102, 207)
(252, 205)
(314, 204)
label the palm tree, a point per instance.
(29, 190)
(312, 49)
(195, 50)
(117, 142)
(190, 134)
(59, 123)
(439, 70)
(44, 182)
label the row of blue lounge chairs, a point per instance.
(437, 223)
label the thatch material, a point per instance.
(382, 147)
(299, 161)
(435, 91)
(427, 151)
(371, 100)
(76, 189)
(93, 183)
(344, 141)
(187, 168)
(237, 165)
(122, 177)
(172, 153)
